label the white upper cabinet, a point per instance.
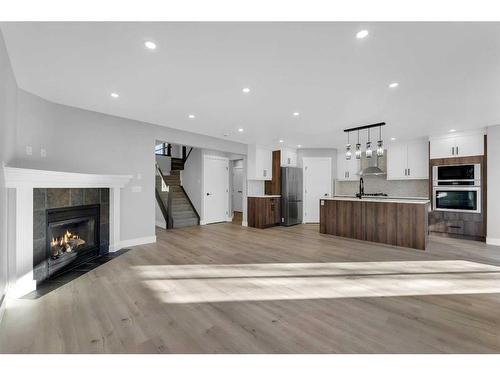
(397, 161)
(288, 157)
(457, 145)
(259, 163)
(408, 160)
(347, 170)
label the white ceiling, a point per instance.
(448, 74)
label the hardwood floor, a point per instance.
(227, 289)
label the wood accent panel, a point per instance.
(471, 226)
(381, 222)
(263, 212)
(401, 224)
(412, 224)
(273, 187)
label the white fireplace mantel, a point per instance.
(38, 178)
(23, 181)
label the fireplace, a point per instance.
(72, 236)
(70, 226)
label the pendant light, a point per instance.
(358, 149)
(380, 143)
(368, 146)
(348, 152)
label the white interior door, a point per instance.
(216, 189)
(317, 185)
(238, 189)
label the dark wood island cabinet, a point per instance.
(394, 222)
(264, 211)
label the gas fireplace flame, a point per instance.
(65, 243)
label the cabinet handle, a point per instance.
(453, 150)
(264, 173)
(409, 172)
(405, 172)
(457, 150)
(348, 174)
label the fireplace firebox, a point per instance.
(72, 236)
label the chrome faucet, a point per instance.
(361, 188)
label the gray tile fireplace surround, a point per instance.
(44, 199)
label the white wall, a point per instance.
(191, 178)
(83, 141)
(160, 220)
(8, 108)
(493, 220)
(165, 163)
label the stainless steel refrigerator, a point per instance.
(291, 196)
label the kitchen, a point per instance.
(396, 193)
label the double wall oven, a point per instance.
(457, 188)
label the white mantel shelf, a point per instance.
(21, 182)
(39, 178)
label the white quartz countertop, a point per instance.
(381, 199)
(264, 196)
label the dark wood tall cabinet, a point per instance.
(264, 211)
(273, 187)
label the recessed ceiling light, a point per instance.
(246, 90)
(299, 146)
(393, 85)
(362, 34)
(393, 139)
(240, 130)
(281, 141)
(191, 116)
(114, 95)
(150, 45)
(296, 114)
(453, 130)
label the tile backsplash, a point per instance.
(379, 184)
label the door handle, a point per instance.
(240, 191)
(208, 193)
(325, 195)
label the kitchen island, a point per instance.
(399, 222)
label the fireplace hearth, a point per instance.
(72, 236)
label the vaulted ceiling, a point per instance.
(448, 75)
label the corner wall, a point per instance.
(77, 140)
(8, 108)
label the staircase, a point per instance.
(178, 212)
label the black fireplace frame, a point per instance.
(53, 215)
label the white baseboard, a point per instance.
(493, 241)
(244, 223)
(132, 242)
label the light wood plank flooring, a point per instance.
(226, 289)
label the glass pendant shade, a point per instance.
(348, 153)
(358, 151)
(380, 148)
(368, 149)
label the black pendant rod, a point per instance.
(364, 127)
